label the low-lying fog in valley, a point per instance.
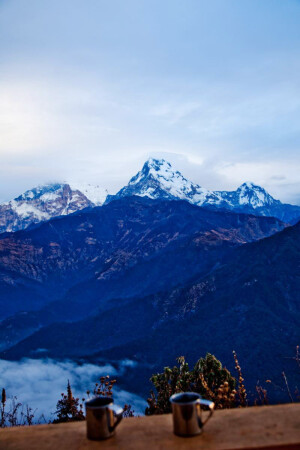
(39, 383)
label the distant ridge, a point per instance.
(158, 180)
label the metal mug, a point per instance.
(187, 413)
(102, 418)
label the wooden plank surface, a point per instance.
(266, 427)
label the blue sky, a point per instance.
(89, 89)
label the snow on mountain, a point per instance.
(40, 192)
(95, 193)
(158, 179)
(247, 195)
(45, 202)
(161, 172)
(251, 194)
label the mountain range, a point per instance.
(162, 269)
(128, 247)
(114, 282)
(170, 279)
(156, 180)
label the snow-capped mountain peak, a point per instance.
(160, 168)
(251, 194)
(47, 201)
(153, 166)
(158, 180)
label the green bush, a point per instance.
(207, 378)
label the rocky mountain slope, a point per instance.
(45, 202)
(250, 303)
(158, 180)
(131, 247)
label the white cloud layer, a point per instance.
(39, 383)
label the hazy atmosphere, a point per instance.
(90, 89)
(149, 222)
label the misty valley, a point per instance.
(163, 269)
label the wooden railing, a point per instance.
(265, 427)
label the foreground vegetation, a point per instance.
(208, 377)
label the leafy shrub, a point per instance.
(208, 378)
(68, 408)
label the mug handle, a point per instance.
(211, 406)
(118, 413)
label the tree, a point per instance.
(68, 408)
